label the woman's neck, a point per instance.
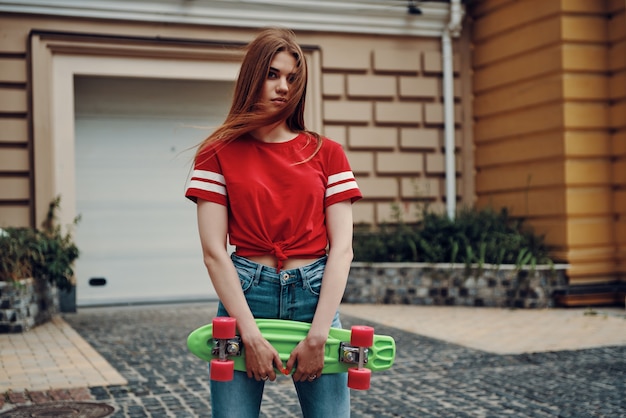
(273, 133)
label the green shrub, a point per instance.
(43, 254)
(475, 236)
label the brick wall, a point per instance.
(385, 105)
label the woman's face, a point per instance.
(278, 81)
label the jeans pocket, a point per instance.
(246, 271)
(313, 283)
(313, 276)
(246, 278)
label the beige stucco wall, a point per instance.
(381, 97)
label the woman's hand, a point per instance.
(261, 358)
(308, 357)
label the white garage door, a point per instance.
(135, 141)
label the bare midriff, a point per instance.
(290, 263)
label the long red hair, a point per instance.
(246, 114)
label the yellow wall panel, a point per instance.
(620, 233)
(519, 95)
(582, 273)
(617, 26)
(520, 176)
(587, 143)
(616, 6)
(519, 149)
(619, 202)
(585, 86)
(617, 115)
(588, 172)
(528, 203)
(586, 115)
(591, 7)
(520, 40)
(485, 6)
(618, 142)
(589, 201)
(588, 28)
(588, 232)
(617, 56)
(617, 81)
(513, 14)
(546, 202)
(590, 254)
(524, 122)
(619, 172)
(585, 57)
(519, 68)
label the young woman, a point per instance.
(284, 196)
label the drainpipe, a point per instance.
(452, 29)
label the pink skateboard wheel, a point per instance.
(359, 378)
(222, 370)
(362, 336)
(224, 327)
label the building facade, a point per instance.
(495, 102)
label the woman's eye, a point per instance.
(291, 78)
(272, 75)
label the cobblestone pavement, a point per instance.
(430, 378)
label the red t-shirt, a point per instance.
(275, 205)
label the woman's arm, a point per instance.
(261, 357)
(310, 353)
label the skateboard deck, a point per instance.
(340, 355)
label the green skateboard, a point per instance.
(357, 351)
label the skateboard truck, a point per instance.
(223, 369)
(351, 355)
(361, 338)
(232, 347)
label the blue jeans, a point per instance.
(288, 294)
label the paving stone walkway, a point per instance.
(431, 378)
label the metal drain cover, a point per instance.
(61, 409)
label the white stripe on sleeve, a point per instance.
(207, 186)
(209, 175)
(336, 178)
(340, 188)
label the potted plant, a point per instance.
(482, 257)
(34, 265)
